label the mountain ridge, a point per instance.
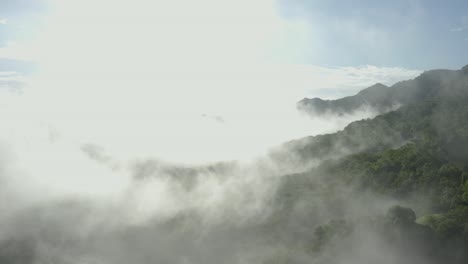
(382, 98)
(416, 155)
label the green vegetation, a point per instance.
(416, 156)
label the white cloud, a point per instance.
(151, 77)
(11, 81)
(147, 116)
(462, 26)
(10, 75)
(3, 21)
(140, 90)
(25, 50)
(458, 29)
(332, 82)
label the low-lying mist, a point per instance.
(154, 147)
(113, 185)
(81, 185)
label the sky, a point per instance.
(206, 80)
(409, 34)
(403, 33)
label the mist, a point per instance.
(157, 132)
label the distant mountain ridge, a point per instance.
(382, 98)
(418, 99)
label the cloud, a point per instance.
(257, 104)
(463, 24)
(152, 85)
(3, 21)
(333, 82)
(216, 118)
(458, 29)
(142, 81)
(95, 153)
(21, 51)
(141, 96)
(12, 81)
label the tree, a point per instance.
(401, 215)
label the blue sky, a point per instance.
(19, 19)
(405, 33)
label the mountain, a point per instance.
(375, 96)
(382, 98)
(416, 155)
(437, 97)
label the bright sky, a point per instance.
(421, 34)
(196, 81)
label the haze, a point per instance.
(128, 124)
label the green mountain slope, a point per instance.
(416, 156)
(382, 99)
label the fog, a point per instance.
(144, 137)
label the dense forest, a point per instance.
(416, 155)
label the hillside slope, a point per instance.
(382, 98)
(416, 156)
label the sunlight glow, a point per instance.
(179, 81)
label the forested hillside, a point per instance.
(416, 156)
(382, 98)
